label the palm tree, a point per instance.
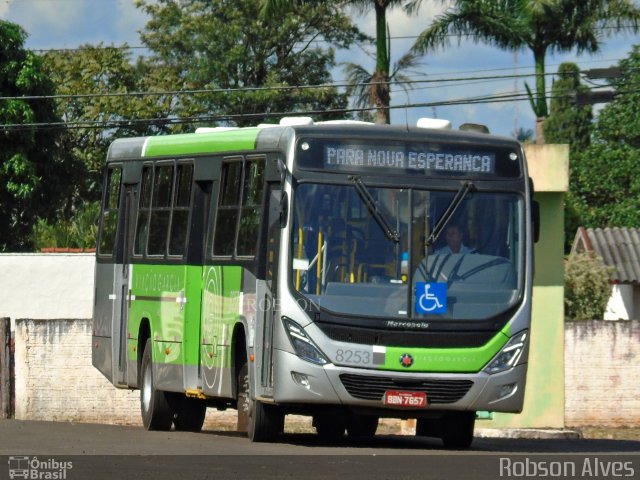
(365, 88)
(380, 92)
(540, 25)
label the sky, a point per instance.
(55, 24)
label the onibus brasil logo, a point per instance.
(34, 468)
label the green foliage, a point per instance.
(568, 123)
(605, 187)
(33, 174)
(228, 45)
(540, 26)
(587, 287)
(93, 71)
(80, 231)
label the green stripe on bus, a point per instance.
(194, 143)
(449, 360)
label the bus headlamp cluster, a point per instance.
(510, 354)
(302, 344)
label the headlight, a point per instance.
(302, 344)
(510, 353)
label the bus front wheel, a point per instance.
(157, 413)
(264, 421)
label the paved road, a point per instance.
(107, 451)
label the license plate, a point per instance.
(396, 398)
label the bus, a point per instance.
(305, 268)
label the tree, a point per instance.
(364, 87)
(541, 26)
(604, 180)
(379, 90)
(94, 87)
(33, 177)
(567, 122)
(254, 65)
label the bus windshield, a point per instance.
(347, 260)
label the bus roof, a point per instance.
(269, 137)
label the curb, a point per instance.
(528, 433)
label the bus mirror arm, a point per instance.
(282, 169)
(284, 209)
(535, 220)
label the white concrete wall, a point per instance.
(602, 378)
(56, 381)
(46, 285)
(621, 303)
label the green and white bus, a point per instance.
(303, 268)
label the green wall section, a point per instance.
(195, 143)
(544, 394)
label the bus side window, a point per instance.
(180, 214)
(160, 209)
(251, 207)
(144, 208)
(228, 206)
(109, 222)
(239, 207)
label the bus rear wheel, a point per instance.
(189, 414)
(156, 410)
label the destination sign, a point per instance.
(489, 158)
(413, 157)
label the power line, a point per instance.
(286, 88)
(208, 118)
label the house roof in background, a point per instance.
(618, 248)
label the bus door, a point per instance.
(121, 295)
(267, 291)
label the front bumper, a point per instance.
(355, 387)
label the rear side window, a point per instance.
(110, 211)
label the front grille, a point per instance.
(438, 390)
(431, 339)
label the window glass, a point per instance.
(225, 232)
(183, 186)
(231, 181)
(158, 232)
(110, 212)
(145, 193)
(253, 182)
(163, 179)
(142, 231)
(239, 207)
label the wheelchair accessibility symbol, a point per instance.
(431, 297)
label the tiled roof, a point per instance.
(618, 247)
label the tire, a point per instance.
(457, 429)
(189, 414)
(329, 427)
(156, 410)
(242, 403)
(428, 427)
(362, 425)
(265, 422)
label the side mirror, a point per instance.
(284, 209)
(535, 220)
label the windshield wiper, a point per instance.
(449, 212)
(372, 206)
